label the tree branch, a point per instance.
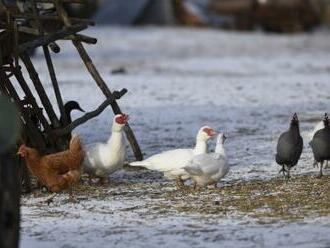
(68, 129)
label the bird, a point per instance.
(68, 108)
(321, 144)
(206, 169)
(58, 171)
(289, 147)
(103, 159)
(311, 134)
(317, 127)
(172, 162)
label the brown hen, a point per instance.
(57, 171)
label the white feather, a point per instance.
(171, 162)
(206, 169)
(102, 159)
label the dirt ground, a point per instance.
(244, 84)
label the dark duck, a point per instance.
(321, 144)
(68, 108)
(289, 147)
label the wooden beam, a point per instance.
(106, 91)
(45, 40)
(35, 136)
(31, 100)
(83, 38)
(68, 129)
(53, 78)
(40, 90)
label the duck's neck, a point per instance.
(115, 137)
(201, 147)
(220, 149)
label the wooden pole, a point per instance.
(106, 91)
(35, 136)
(20, 79)
(55, 84)
(40, 89)
(98, 79)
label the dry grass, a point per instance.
(265, 201)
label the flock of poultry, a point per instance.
(60, 171)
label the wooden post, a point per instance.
(98, 79)
(40, 90)
(55, 84)
(106, 91)
(20, 79)
(36, 138)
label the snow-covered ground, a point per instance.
(245, 84)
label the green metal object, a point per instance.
(9, 124)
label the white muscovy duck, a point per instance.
(205, 169)
(171, 162)
(103, 159)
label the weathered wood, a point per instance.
(83, 38)
(68, 129)
(40, 90)
(32, 101)
(106, 91)
(37, 140)
(45, 40)
(54, 47)
(56, 88)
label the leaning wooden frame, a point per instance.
(40, 23)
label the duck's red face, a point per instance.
(209, 131)
(121, 119)
(22, 151)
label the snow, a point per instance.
(245, 84)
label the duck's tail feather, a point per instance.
(140, 163)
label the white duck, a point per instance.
(205, 169)
(171, 162)
(104, 159)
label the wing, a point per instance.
(93, 157)
(166, 161)
(205, 164)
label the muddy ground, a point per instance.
(245, 84)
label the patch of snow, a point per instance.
(245, 84)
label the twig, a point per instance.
(84, 118)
